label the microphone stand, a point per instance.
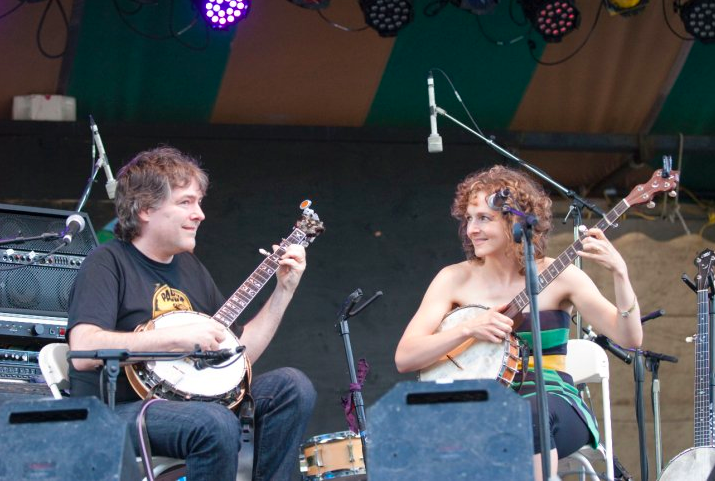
(47, 236)
(88, 186)
(524, 230)
(576, 212)
(355, 390)
(97, 164)
(112, 358)
(639, 377)
(640, 360)
(652, 363)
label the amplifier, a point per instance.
(19, 365)
(32, 329)
(32, 284)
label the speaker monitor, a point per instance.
(39, 288)
(76, 438)
(472, 430)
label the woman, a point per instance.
(493, 275)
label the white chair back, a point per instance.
(587, 362)
(55, 368)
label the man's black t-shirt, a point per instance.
(119, 288)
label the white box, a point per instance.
(44, 107)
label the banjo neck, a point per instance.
(246, 292)
(698, 462)
(703, 414)
(565, 259)
(662, 180)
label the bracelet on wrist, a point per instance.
(625, 314)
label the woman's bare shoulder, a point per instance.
(457, 272)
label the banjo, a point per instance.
(696, 463)
(487, 360)
(225, 382)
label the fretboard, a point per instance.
(703, 411)
(240, 299)
(565, 259)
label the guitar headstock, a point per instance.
(704, 261)
(661, 181)
(309, 223)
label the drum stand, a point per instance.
(347, 311)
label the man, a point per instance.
(150, 269)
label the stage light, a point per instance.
(223, 14)
(552, 19)
(477, 7)
(625, 7)
(698, 17)
(387, 17)
(311, 4)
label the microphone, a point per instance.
(617, 351)
(102, 160)
(350, 302)
(75, 224)
(214, 358)
(498, 200)
(434, 141)
(652, 315)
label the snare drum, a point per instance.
(334, 455)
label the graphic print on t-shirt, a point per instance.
(167, 299)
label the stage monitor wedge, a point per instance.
(77, 439)
(473, 430)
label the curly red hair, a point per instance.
(530, 197)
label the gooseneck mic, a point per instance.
(434, 141)
(498, 200)
(102, 160)
(74, 225)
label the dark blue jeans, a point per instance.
(207, 435)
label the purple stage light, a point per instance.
(223, 14)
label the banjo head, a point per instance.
(181, 376)
(694, 464)
(472, 359)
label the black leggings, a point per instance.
(567, 430)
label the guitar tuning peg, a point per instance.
(305, 207)
(673, 194)
(650, 204)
